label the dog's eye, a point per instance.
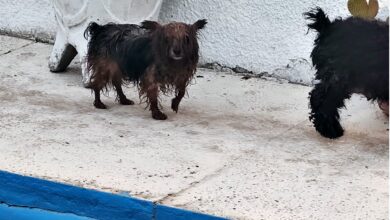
(187, 40)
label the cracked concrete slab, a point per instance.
(300, 176)
(237, 148)
(8, 44)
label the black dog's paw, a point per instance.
(126, 102)
(99, 105)
(158, 115)
(329, 128)
(175, 105)
(331, 132)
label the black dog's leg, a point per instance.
(181, 91)
(325, 100)
(123, 100)
(98, 103)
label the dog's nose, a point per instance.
(176, 51)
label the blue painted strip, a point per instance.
(22, 191)
(35, 193)
(20, 213)
(169, 213)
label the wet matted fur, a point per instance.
(351, 56)
(155, 57)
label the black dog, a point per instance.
(351, 56)
(153, 56)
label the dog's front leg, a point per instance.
(325, 100)
(180, 92)
(152, 94)
(152, 90)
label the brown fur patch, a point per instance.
(103, 72)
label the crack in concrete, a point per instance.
(198, 182)
(30, 37)
(247, 74)
(220, 170)
(17, 48)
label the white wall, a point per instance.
(258, 35)
(31, 18)
(261, 35)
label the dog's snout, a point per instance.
(177, 51)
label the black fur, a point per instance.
(128, 44)
(351, 56)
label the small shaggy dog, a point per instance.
(155, 57)
(351, 56)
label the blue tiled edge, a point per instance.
(23, 191)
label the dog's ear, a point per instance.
(150, 25)
(200, 24)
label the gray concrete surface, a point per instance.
(242, 149)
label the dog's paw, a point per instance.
(99, 105)
(126, 102)
(175, 105)
(158, 115)
(330, 129)
(332, 133)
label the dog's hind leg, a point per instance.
(325, 100)
(123, 100)
(180, 92)
(98, 103)
(99, 79)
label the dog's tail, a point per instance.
(320, 20)
(91, 30)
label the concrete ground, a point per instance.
(242, 149)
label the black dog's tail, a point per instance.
(320, 20)
(91, 30)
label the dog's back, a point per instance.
(126, 44)
(357, 47)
